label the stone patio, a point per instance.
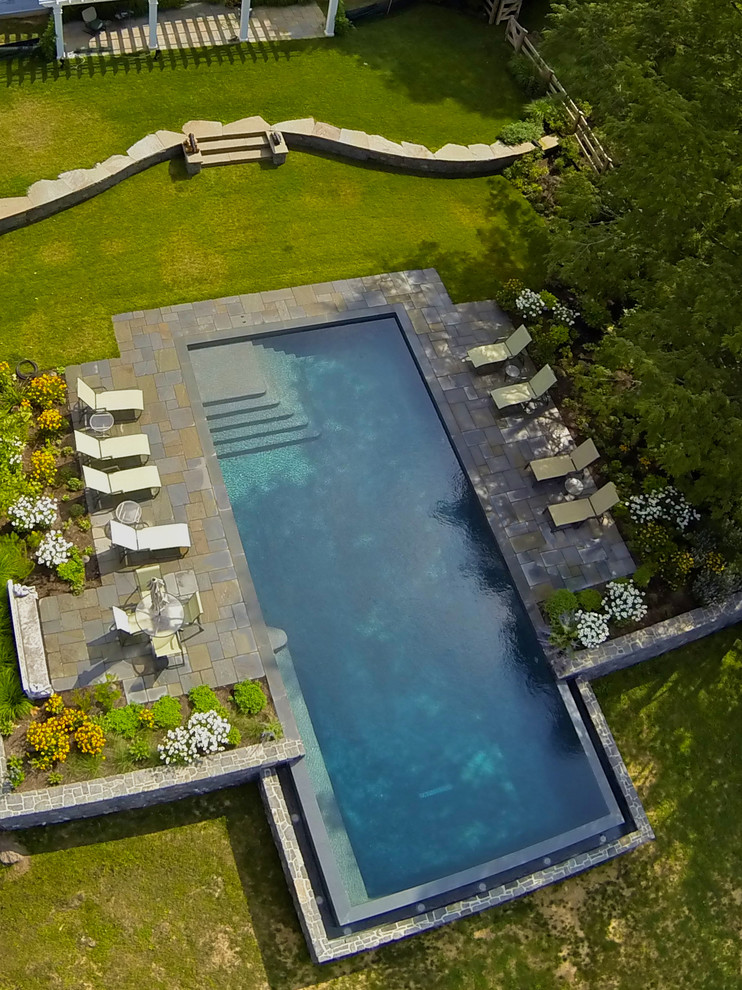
(197, 25)
(235, 642)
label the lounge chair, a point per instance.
(501, 350)
(93, 24)
(114, 448)
(122, 400)
(125, 623)
(570, 513)
(557, 467)
(512, 395)
(121, 482)
(169, 537)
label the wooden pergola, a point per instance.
(57, 5)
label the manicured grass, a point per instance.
(191, 895)
(161, 238)
(428, 75)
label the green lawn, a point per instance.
(427, 75)
(160, 238)
(191, 895)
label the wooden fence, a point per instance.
(591, 147)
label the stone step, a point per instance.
(222, 409)
(235, 157)
(240, 448)
(231, 422)
(233, 143)
(247, 432)
(208, 139)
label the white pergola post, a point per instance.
(153, 25)
(58, 30)
(331, 14)
(244, 19)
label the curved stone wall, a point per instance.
(49, 196)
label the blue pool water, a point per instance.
(437, 739)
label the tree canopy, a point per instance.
(653, 249)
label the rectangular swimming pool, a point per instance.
(442, 755)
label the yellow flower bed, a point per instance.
(50, 421)
(46, 391)
(43, 467)
(50, 739)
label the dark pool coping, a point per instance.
(347, 914)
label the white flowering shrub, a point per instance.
(28, 512)
(624, 602)
(564, 315)
(205, 732)
(592, 628)
(530, 304)
(663, 505)
(13, 448)
(54, 549)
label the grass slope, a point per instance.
(191, 895)
(160, 238)
(427, 75)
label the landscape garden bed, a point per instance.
(91, 732)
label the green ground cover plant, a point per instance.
(192, 894)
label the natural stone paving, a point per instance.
(233, 644)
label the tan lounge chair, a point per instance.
(570, 513)
(501, 350)
(113, 448)
(512, 395)
(122, 482)
(168, 537)
(117, 401)
(557, 467)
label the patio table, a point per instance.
(160, 622)
(100, 422)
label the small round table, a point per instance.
(129, 513)
(574, 485)
(167, 621)
(100, 422)
(513, 370)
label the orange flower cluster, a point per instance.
(50, 421)
(46, 391)
(90, 738)
(51, 738)
(43, 467)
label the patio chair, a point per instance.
(125, 624)
(123, 400)
(169, 537)
(513, 395)
(193, 610)
(92, 23)
(122, 482)
(501, 350)
(570, 513)
(169, 647)
(557, 467)
(112, 449)
(144, 575)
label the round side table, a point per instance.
(100, 422)
(129, 513)
(574, 485)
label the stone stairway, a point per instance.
(264, 413)
(231, 149)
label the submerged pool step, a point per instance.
(237, 448)
(244, 420)
(247, 432)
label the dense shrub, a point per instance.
(526, 75)
(527, 174)
(48, 41)
(521, 131)
(123, 721)
(16, 774)
(13, 702)
(559, 603)
(73, 571)
(167, 713)
(590, 600)
(203, 699)
(550, 112)
(249, 697)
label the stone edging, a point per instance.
(653, 641)
(49, 196)
(141, 788)
(324, 949)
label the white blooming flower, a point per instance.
(54, 549)
(29, 513)
(592, 628)
(13, 449)
(206, 732)
(564, 315)
(530, 304)
(624, 602)
(666, 505)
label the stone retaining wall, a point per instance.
(625, 651)
(49, 196)
(141, 788)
